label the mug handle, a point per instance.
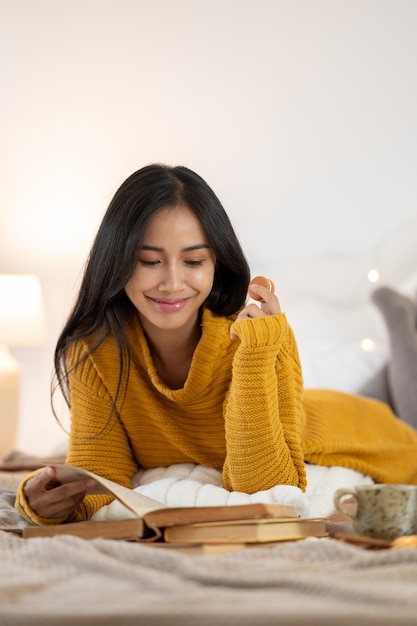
(338, 495)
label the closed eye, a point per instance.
(148, 263)
(194, 263)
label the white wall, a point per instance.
(300, 113)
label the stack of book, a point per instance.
(234, 525)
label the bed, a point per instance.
(71, 581)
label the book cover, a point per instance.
(130, 529)
(247, 531)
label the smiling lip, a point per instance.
(169, 306)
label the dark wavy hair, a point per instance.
(102, 306)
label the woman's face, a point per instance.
(174, 272)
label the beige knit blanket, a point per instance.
(73, 582)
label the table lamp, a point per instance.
(22, 324)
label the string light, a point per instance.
(367, 344)
(373, 276)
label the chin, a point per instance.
(170, 321)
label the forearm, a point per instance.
(263, 411)
(98, 439)
(98, 442)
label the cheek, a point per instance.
(129, 290)
(135, 284)
(204, 278)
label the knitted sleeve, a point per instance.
(98, 441)
(263, 410)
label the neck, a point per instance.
(172, 352)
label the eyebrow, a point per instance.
(198, 246)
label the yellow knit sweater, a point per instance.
(242, 410)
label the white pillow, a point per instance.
(336, 366)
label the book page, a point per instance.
(136, 502)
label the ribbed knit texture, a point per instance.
(242, 410)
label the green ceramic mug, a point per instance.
(383, 511)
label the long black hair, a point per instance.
(102, 306)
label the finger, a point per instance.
(41, 481)
(269, 301)
(53, 481)
(56, 509)
(47, 480)
(49, 498)
(257, 290)
(271, 308)
(263, 294)
(250, 311)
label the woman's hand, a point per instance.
(50, 498)
(268, 305)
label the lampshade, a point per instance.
(22, 317)
(22, 323)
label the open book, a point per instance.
(152, 517)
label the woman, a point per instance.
(163, 362)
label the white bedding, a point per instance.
(70, 581)
(186, 484)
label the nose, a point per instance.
(172, 279)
